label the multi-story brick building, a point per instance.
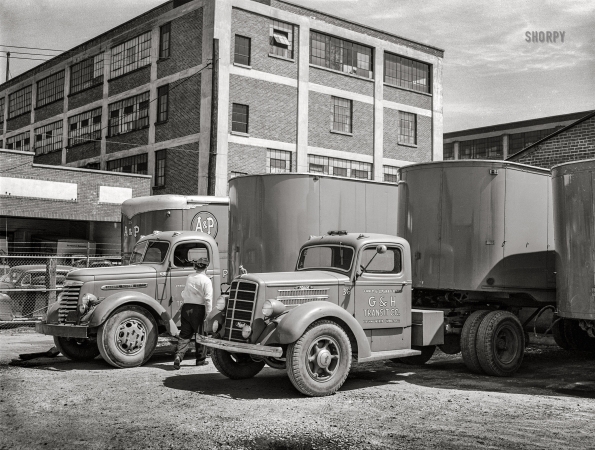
(194, 92)
(503, 140)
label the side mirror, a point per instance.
(381, 249)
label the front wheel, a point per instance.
(128, 337)
(500, 343)
(237, 366)
(77, 349)
(319, 361)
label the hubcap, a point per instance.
(323, 358)
(507, 345)
(130, 336)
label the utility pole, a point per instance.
(7, 65)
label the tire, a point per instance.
(469, 340)
(558, 333)
(138, 332)
(452, 344)
(77, 349)
(319, 361)
(276, 363)
(500, 343)
(417, 360)
(237, 366)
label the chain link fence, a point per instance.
(30, 282)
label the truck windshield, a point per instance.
(149, 252)
(326, 257)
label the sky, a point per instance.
(491, 73)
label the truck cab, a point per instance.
(119, 311)
(349, 298)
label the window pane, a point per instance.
(90, 131)
(131, 164)
(50, 89)
(281, 39)
(342, 114)
(129, 114)
(48, 138)
(407, 128)
(160, 168)
(389, 262)
(406, 73)
(239, 118)
(278, 161)
(86, 74)
(242, 50)
(341, 55)
(19, 102)
(164, 39)
(131, 55)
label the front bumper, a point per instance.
(74, 331)
(240, 347)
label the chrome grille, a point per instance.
(240, 308)
(69, 302)
(298, 296)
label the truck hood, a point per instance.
(116, 271)
(314, 277)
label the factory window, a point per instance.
(242, 50)
(391, 174)
(281, 39)
(406, 73)
(342, 114)
(485, 148)
(518, 141)
(84, 127)
(93, 166)
(50, 89)
(239, 118)
(86, 74)
(160, 168)
(407, 128)
(2, 110)
(278, 161)
(162, 103)
(131, 55)
(341, 55)
(339, 167)
(131, 164)
(19, 142)
(48, 138)
(19, 102)
(164, 41)
(448, 151)
(129, 114)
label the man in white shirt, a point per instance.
(198, 298)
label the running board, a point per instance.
(378, 356)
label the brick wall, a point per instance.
(184, 110)
(246, 159)
(575, 144)
(185, 44)
(83, 151)
(52, 158)
(392, 149)
(181, 170)
(257, 28)
(18, 122)
(50, 110)
(320, 122)
(122, 142)
(130, 80)
(273, 108)
(407, 97)
(341, 81)
(87, 207)
(85, 97)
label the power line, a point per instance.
(33, 48)
(27, 53)
(20, 57)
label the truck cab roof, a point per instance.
(178, 236)
(355, 240)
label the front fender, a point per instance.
(111, 303)
(293, 324)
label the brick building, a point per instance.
(44, 201)
(572, 143)
(503, 140)
(194, 92)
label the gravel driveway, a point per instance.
(55, 403)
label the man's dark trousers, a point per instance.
(192, 318)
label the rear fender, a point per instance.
(111, 303)
(293, 324)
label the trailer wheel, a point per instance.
(128, 337)
(77, 349)
(558, 333)
(319, 361)
(500, 343)
(419, 360)
(237, 366)
(469, 340)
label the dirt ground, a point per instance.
(55, 403)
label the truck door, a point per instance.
(383, 297)
(181, 266)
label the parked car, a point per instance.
(28, 301)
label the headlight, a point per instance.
(84, 304)
(246, 331)
(272, 307)
(221, 303)
(215, 326)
